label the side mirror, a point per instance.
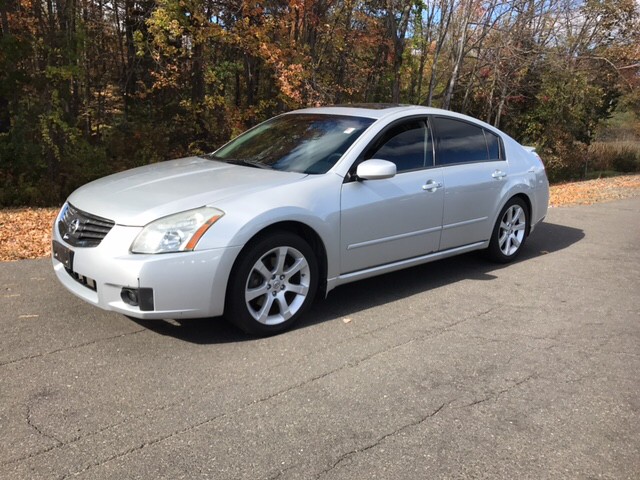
(376, 170)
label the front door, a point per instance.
(383, 221)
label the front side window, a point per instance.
(305, 143)
(407, 145)
(461, 142)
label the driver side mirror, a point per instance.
(375, 169)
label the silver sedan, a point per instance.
(295, 207)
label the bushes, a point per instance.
(44, 161)
(619, 156)
(567, 160)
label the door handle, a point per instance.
(431, 186)
(498, 174)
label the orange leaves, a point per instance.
(595, 191)
(290, 75)
(26, 232)
(291, 79)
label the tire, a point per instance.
(272, 284)
(510, 231)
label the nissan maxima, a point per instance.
(294, 207)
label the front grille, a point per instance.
(81, 229)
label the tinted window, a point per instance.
(493, 145)
(308, 143)
(459, 142)
(406, 145)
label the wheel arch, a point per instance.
(302, 230)
(527, 201)
(494, 249)
(516, 191)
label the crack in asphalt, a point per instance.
(629, 354)
(39, 430)
(386, 326)
(78, 438)
(141, 446)
(71, 347)
(496, 395)
(244, 407)
(430, 334)
(528, 347)
(564, 345)
(163, 407)
(377, 442)
(207, 421)
(30, 422)
(280, 473)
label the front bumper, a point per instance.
(184, 284)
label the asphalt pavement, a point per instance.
(456, 369)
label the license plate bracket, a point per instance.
(63, 255)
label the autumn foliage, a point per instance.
(89, 87)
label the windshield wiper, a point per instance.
(235, 161)
(256, 164)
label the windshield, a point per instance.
(305, 143)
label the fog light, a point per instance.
(138, 297)
(130, 297)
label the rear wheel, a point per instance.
(510, 231)
(272, 284)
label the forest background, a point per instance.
(91, 87)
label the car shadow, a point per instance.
(348, 299)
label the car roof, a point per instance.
(377, 111)
(373, 110)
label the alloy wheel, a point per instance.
(512, 230)
(277, 285)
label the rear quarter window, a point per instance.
(493, 145)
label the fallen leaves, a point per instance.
(26, 232)
(595, 191)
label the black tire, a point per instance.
(279, 300)
(509, 233)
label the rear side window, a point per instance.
(462, 142)
(407, 145)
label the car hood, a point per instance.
(139, 196)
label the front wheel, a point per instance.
(509, 232)
(272, 284)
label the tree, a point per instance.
(88, 87)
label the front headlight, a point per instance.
(176, 233)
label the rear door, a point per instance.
(474, 171)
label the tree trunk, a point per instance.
(5, 117)
(446, 103)
(4, 19)
(197, 74)
(446, 7)
(503, 99)
(130, 68)
(249, 64)
(398, 30)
